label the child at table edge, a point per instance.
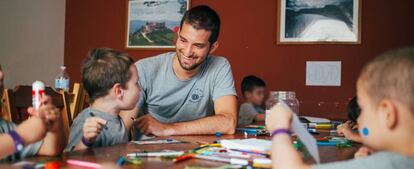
(253, 89)
(385, 91)
(111, 80)
(45, 140)
(347, 129)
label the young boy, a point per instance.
(18, 142)
(385, 91)
(253, 89)
(111, 80)
(347, 129)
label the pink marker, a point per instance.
(84, 164)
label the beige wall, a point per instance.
(31, 40)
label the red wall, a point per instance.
(248, 39)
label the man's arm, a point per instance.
(223, 121)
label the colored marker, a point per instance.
(120, 161)
(156, 154)
(257, 126)
(318, 131)
(83, 164)
(321, 125)
(183, 158)
(234, 161)
(93, 115)
(326, 143)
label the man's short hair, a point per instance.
(251, 82)
(203, 17)
(102, 69)
(391, 76)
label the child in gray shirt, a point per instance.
(385, 92)
(253, 89)
(110, 78)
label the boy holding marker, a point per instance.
(111, 80)
(385, 90)
(20, 141)
(253, 89)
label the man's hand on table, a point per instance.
(149, 125)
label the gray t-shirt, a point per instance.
(29, 150)
(114, 132)
(170, 100)
(247, 113)
(380, 160)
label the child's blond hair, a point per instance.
(391, 76)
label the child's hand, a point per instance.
(92, 128)
(363, 152)
(347, 131)
(278, 117)
(49, 113)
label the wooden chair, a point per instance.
(78, 100)
(5, 109)
(19, 99)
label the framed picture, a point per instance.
(319, 21)
(152, 24)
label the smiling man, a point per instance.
(188, 91)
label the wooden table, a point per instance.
(111, 154)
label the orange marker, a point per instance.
(183, 158)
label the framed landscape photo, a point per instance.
(319, 21)
(152, 24)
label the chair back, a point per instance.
(78, 99)
(19, 99)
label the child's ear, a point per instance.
(389, 112)
(118, 91)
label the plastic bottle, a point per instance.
(289, 97)
(62, 80)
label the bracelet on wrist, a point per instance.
(17, 140)
(281, 131)
(86, 142)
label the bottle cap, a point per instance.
(218, 134)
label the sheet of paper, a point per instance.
(304, 136)
(316, 119)
(323, 73)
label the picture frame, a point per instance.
(152, 24)
(318, 22)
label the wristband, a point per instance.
(18, 141)
(280, 131)
(86, 142)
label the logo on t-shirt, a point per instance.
(196, 95)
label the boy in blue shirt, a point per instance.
(111, 80)
(253, 89)
(385, 91)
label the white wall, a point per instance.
(31, 40)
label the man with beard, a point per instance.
(188, 91)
